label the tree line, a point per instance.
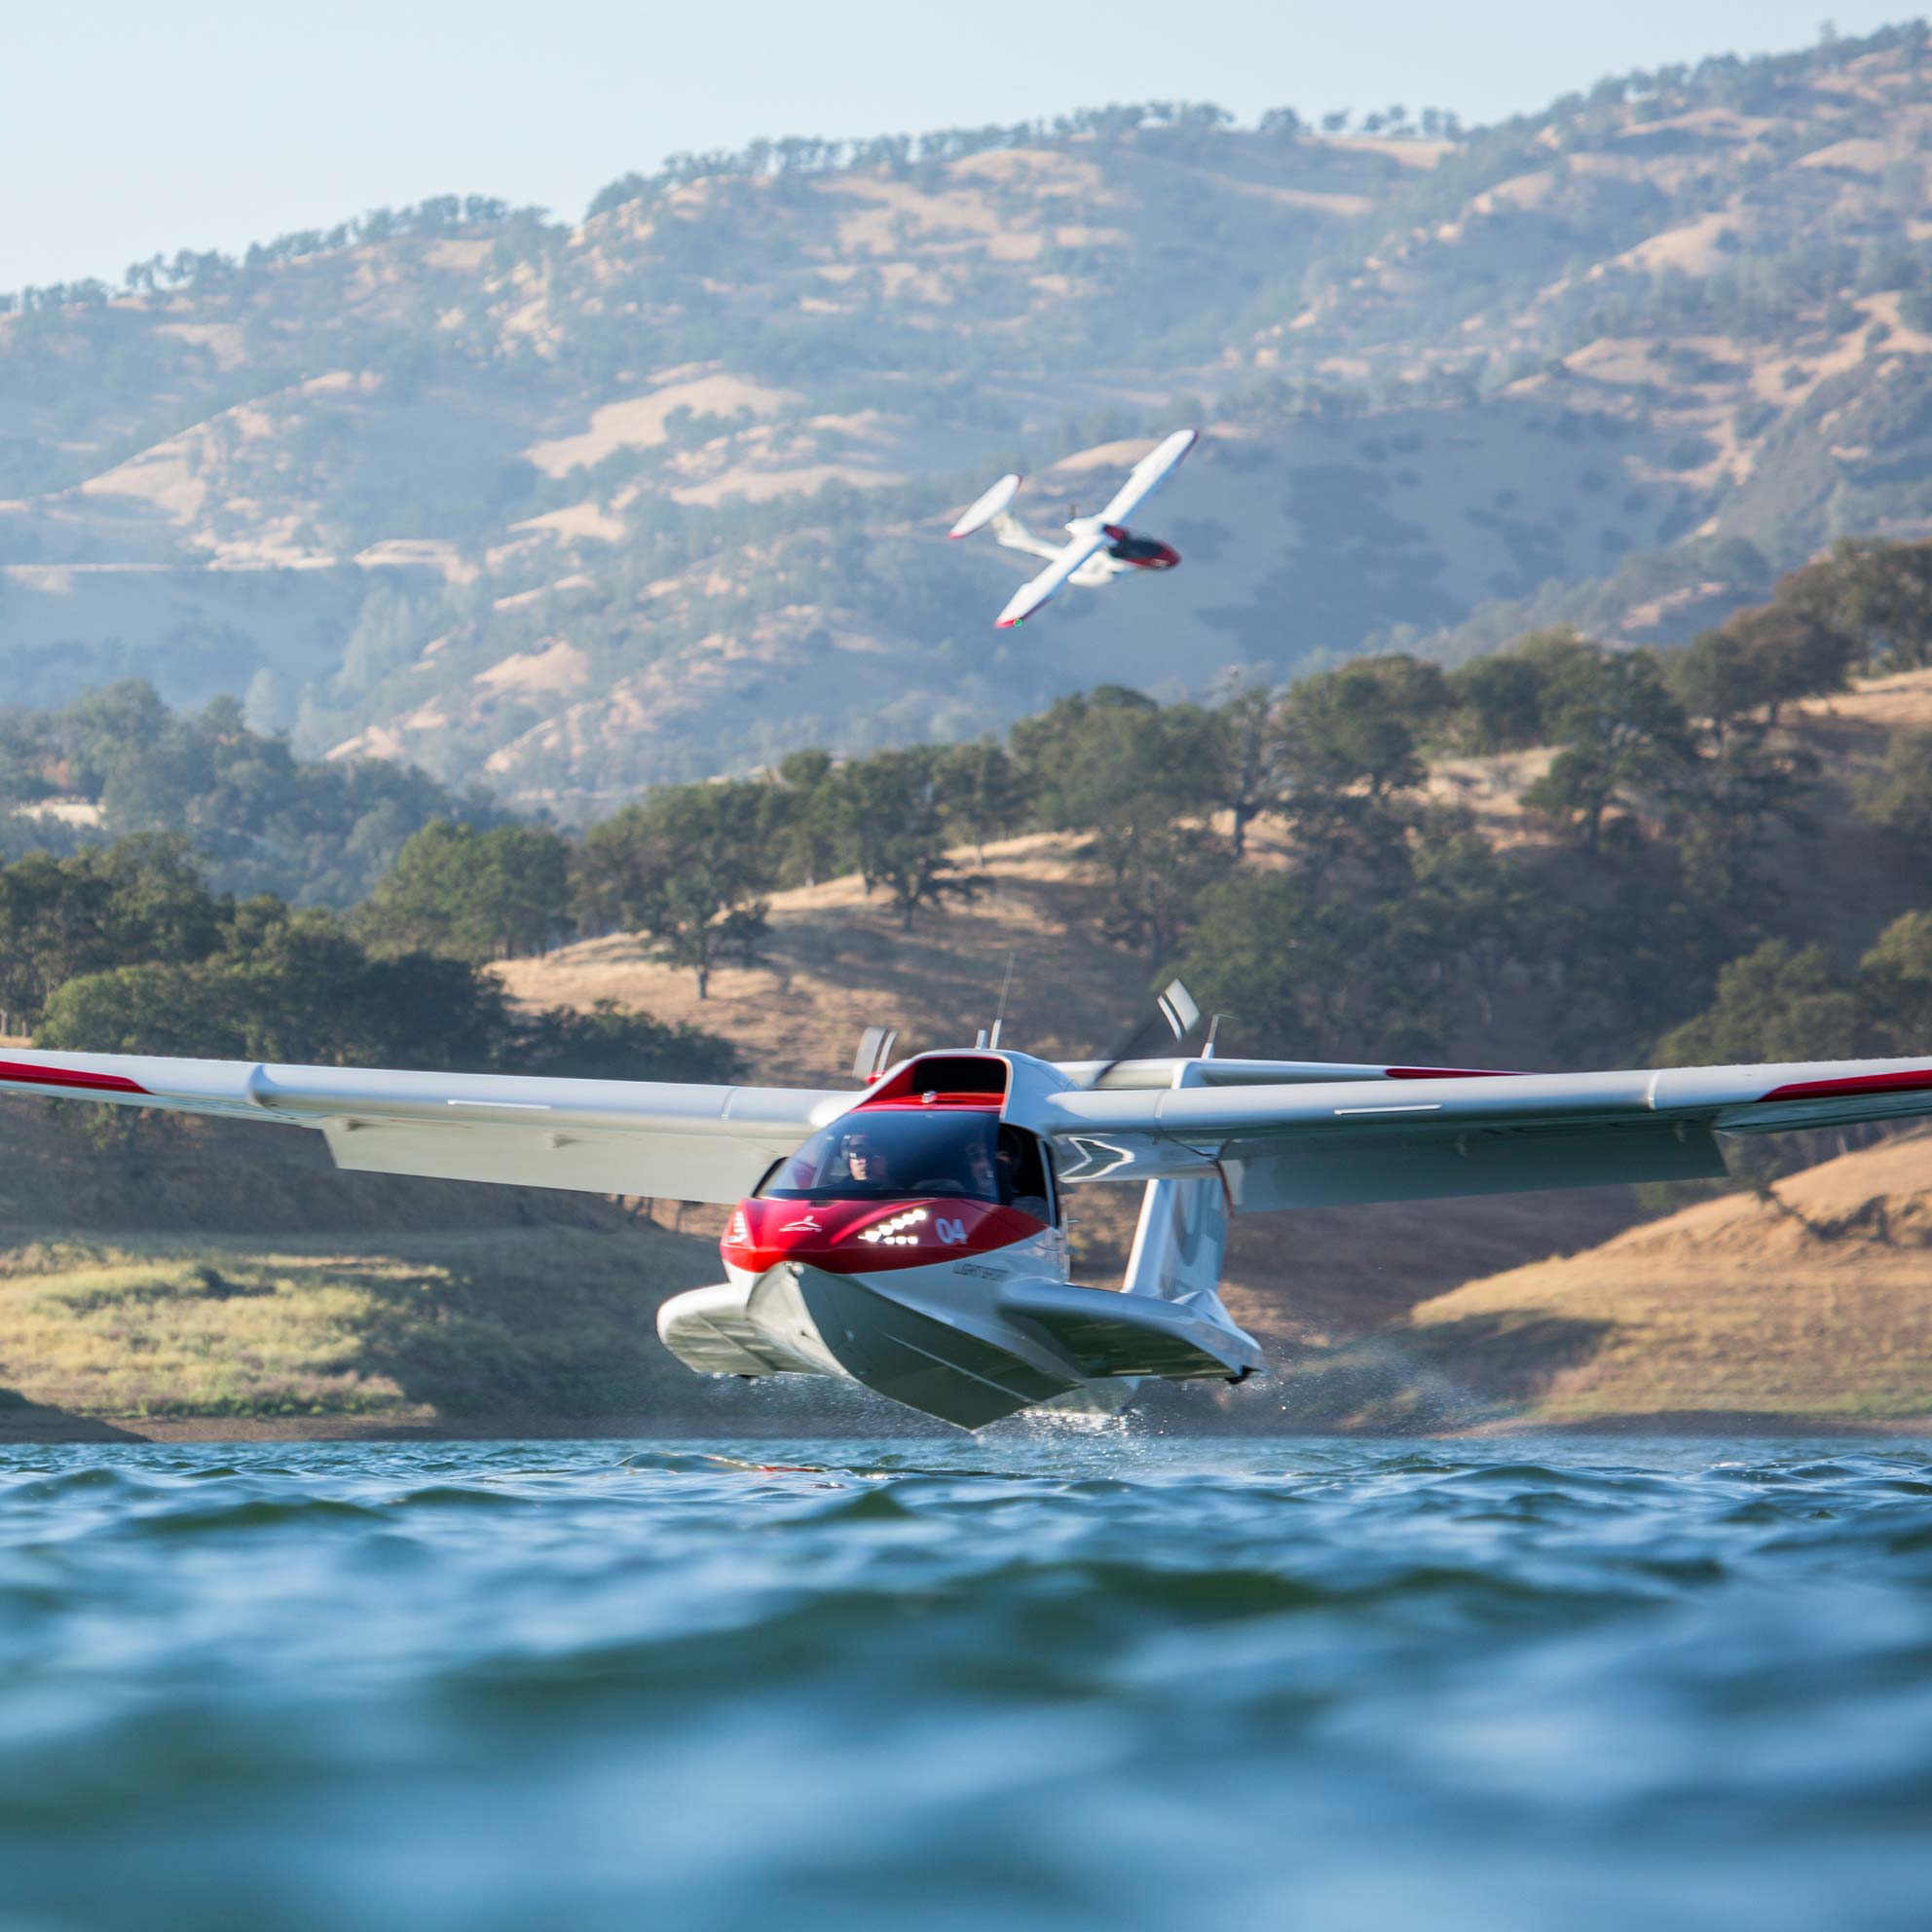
(1667, 805)
(126, 948)
(1667, 796)
(1301, 853)
(262, 819)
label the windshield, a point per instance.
(888, 1155)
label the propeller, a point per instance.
(875, 1052)
(1176, 1012)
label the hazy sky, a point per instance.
(127, 129)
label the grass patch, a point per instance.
(413, 1327)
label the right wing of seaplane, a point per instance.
(1408, 1133)
(1087, 535)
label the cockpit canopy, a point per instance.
(897, 1154)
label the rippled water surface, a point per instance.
(1067, 1681)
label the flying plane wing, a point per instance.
(1147, 475)
(1309, 1143)
(1036, 591)
(604, 1136)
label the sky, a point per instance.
(127, 129)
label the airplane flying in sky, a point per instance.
(910, 1234)
(1098, 549)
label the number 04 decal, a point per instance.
(953, 1233)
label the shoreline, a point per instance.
(46, 1427)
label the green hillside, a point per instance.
(575, 507)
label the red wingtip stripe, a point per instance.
(1909, 1079)
(20, 1073)
(1448, 1073)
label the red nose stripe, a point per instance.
(868, 1237)
(1908, 1080)
(67, 1076)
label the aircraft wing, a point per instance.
(1148, 475)
(1036, 591)
(603, 1136)
(1306, 1144)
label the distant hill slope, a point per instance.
(664, 493)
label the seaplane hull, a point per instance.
(968, 1340)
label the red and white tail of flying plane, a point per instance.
(910, 1234)
(1098, 549)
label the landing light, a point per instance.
(896, 1229)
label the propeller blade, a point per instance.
(1175, 1013)
(874, 1053)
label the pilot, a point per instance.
(865, 1161)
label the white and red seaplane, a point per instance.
(1098, 549)
(910, 1234)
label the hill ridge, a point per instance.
(359, 471)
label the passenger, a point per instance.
(1011, 1181)
(984, 1182)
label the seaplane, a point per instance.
(908, 1231)
(1098, 549)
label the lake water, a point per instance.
(1055, 1679)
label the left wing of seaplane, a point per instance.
(670, 1140)
(1417, 1134)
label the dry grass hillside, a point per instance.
(838, 962)
(1811, 1304)
(205, 1275)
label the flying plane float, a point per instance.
(1098, 549)
(909, 1233)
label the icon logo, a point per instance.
(951, 1232)
(803, 1225)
